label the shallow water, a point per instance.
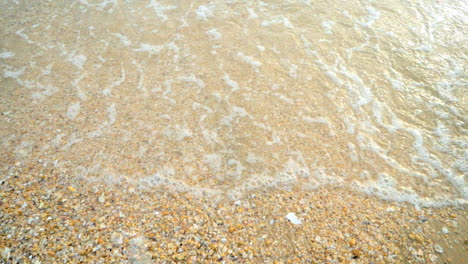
(225, 96)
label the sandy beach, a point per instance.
(144, 131)
(46, 218)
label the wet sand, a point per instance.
(49, 218)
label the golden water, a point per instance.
(225, 96)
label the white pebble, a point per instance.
(445, 230)
(293, 218)
(438, 249)
(6, 253)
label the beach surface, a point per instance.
(46, 219)
(233, 131)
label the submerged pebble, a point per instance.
(438, 249)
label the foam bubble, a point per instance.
(193, 79)
(443, 133)
(214, 34)
(111, 114)
(78, 60)
(24, 149)
(214, 161)
(108, 90)
(159, 9)
(284, 98)
(234, 86)
(349, 125)
(13, 74)
(204, 12)
(328, 26)
(293, 71)
(178, 132)
(123, 39)
(151, 49)
(279, 20)
(320, 120)
(352, 152)
(252, 158)
(250, 60)
(235, 172)
(252, 14)
(373, 15)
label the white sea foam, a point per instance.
(352, 152)
(320, 120)
(78, 60)
(284, 98)
(13, 74)
(103, 5)
(214, 161)
(252, 14)
(234, 86)
(328, 26)
(236, 168)
(43, 91)
(204, 12)
(24, 149)
(24, 36)
(236, 112)
(401, 127)
(192, 79)
(7, 55)
(160, 9)
(141, 77)
(214, 34)
(178, 132)
(116, 83)
(279, 20)
(123, 39)
(111, 114)
(250, 60)
(151, 49)
(373, 15)
(293, 71)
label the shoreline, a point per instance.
(54, 218)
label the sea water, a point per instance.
(221, 97)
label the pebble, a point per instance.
(6, 253)
(117, 239)
(293, 218)
(137, 251)
(438, 249)
(445, 230)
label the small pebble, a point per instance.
(293, 218)
(6, 253)
(438, 249)
(445, 230)
(117, 239)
